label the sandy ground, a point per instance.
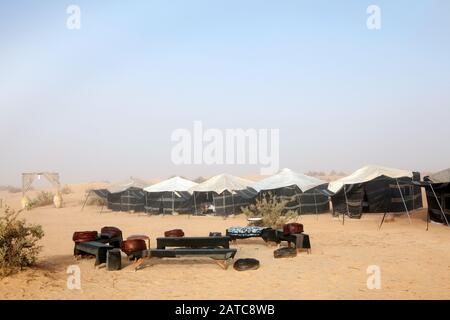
(414, 263)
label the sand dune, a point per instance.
(415, 264)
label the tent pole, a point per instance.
(145, 206)
(195, 204)
(232, 200)
(382, 220)
(404, 203)
(85, 200)
(173, 202)
(224, 207)
(299, 204)
(440, 206)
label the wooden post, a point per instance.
(85, 201)
(404, 203)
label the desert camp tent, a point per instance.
(437, 187)
(226, 192)
(127, 195)
(376, 189)
(302, 191)
(170, 195)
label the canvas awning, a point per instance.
(366, 174)
(172, 185)
(221, 183)
(439, 177)
(126, 184)
(287, 178)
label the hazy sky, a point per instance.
(100, 103)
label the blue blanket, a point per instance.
(250, 231)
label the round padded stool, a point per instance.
(176, 233)
(132, 246)
(84, 236)
(140, 237)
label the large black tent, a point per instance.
(302, 193)
(127, 196)
(437, 188)
(375, 189)
(169, 196)
(227, 193)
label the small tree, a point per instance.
(272, 210)
(42, 199)
(18, 243)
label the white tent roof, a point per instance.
(287, 178)
(368, 173)
(124, 185)
(440, 177)
(222, 182)
(172, 185)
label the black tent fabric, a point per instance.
(379, 195)
(438, 186)
(131, 199)
(309, 202)
(226, 203)
(101, 193)
(229, 203)
(168, 202)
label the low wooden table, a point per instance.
(216, 248)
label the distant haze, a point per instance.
(101, 103)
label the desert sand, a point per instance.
(414, 263)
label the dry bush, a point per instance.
(272, 211)
(66, 190)
(18, 243)
(95, 200)
(43, 198)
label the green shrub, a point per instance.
(272, 211)
(18, 243)
(43, 198)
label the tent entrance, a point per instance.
(446, 203)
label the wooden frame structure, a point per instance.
(29, 178)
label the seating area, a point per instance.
(108, 244)
(292, 234)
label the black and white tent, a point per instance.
(169, 196)
(127, 195)
(376, 189)
(437, 187)
(301, 191)
(227, 193)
